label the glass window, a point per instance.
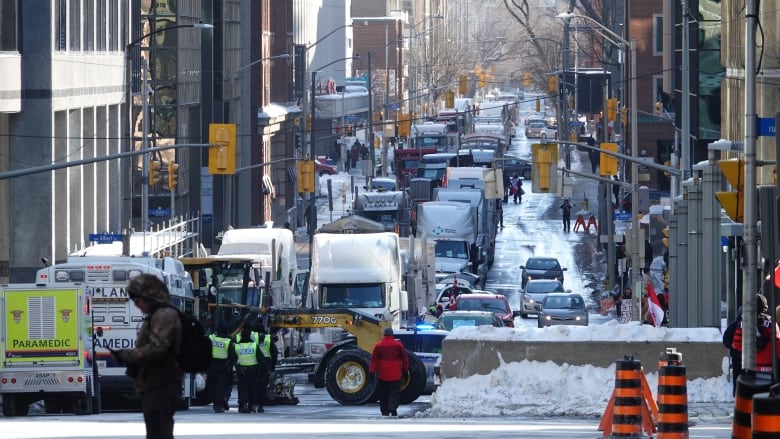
(61, 34)
(658, 34)
(8, 19)
(74, 26)
(352, 295)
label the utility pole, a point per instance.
(749, 220)
(370, 139)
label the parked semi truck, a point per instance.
(47, 335)
(476, 187)
(390, 208)
(453, 226)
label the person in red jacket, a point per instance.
(389, 363)
(763, 336)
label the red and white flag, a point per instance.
(654, 305)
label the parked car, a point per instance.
(455, 319)
(322, 168)
(541, 268)
(426, 345)
(514, 165)
(534, 129)
(549, 132)
(532, 296)
(444, 295)
(563, 309)
(495, 303)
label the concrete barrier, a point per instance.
(462, 357)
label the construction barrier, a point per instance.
(579, 223)
(672, 396)
(766, 414)
(749, 384)
(592, 222)
(631, 407)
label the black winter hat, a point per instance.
(762, 307)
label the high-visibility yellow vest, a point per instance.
(246, 353)
(265, 346)
(219, 347)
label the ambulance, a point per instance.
(45, 338)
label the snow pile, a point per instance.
(529, 388)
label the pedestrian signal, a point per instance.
(306, 176)
(608, 164)
(222, 152)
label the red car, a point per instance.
(323, 168)
(495, 303)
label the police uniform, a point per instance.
(218, 377)
(265, 345)
(246, 355)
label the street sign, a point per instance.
(766, 126)
(622, 216)
(160, 212)
(104, 238)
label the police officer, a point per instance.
(244, 353)
(267, 348)
(218, 377)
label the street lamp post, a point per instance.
(631, 46)
(145, 113)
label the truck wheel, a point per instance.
(346, 377)
(15, 405)
(82, 405)
(413, 387)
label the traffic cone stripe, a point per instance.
(672, 397)
(749, 384)
(766, 416)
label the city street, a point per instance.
(318, 416)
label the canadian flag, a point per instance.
(654, 305)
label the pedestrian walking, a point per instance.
(389, 363)
(566, 214)
(244, 353)
(152, 363)
(763, 336)
(500, 211)
(218, 376)
(516, 188)
(734, 354)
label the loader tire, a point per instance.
(346, 377)
(412, 388)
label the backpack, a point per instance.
(195, 349)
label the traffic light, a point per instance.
(483, 80)
(659, 108)
(222, 153)
(305, 175)
(404, 125)
(665, 239)
(612, 104)
(463, 84)
(526, 79)
(624, 116)
(544, 168)
(552, 84)
(154, 172)
(449, 99)
(172, 169)
(538, 105)
(733, 202)
(608, 164)
(571, 101)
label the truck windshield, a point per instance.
(353, 296)
(451, 249)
